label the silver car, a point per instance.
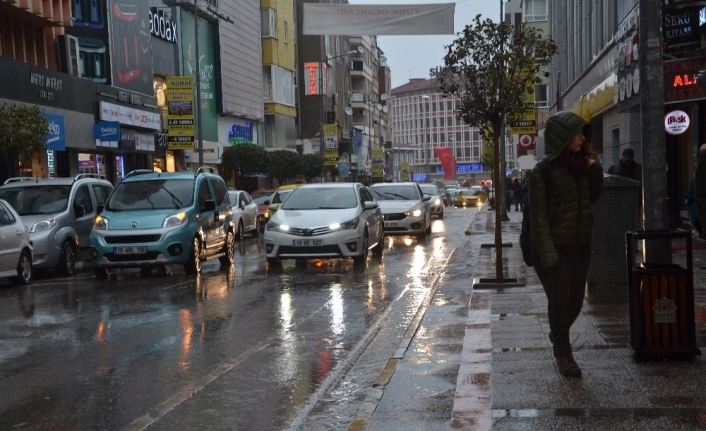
(405, 208)
(246, 217)
(15, 247)
(59, 213)
(436, 203)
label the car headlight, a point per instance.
(352, 224)
(101, 223)
(277, 227)
(437, 201)
(414, 213)
(42, 225)
(175, 220)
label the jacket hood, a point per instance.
(561, 128)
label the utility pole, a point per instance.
(654, 169)
(501, 142)
(199, 127)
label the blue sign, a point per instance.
(357, 140)
(420, 177)
(55, 139)
(463, 169)
(239, 134)
(106, 133)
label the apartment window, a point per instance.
(285, 32)
(268, 21)
(541, 96)
(535, 10)
(278, 85)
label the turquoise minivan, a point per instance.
(156, 219)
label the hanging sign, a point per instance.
(676, 122)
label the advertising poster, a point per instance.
(132, 52)
(378, 164)
(206, 64)
(404, 171)
(330, 145)
(180, 112)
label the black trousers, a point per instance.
(565, 286)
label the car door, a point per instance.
(84, 212)
(250, 211)
(209, 225)
(373, 216)
(10, 239)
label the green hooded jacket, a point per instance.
(565, 222)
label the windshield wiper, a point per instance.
(398, 195)
(175, 200)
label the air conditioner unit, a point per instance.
(335, 99)
(68, 54)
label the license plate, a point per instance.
(130, 250)
(390, 224)
(306, 242)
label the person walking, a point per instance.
(561, 227)
(516, 189)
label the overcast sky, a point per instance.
(413, 56)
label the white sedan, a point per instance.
(245, 214)
(327, 220)
(405, 208)
(15, 248)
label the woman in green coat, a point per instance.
(561, 226)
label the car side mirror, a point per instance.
(242, 204)
(426, 197)
(267, 202)
(208, 205)
(79, 211)
(370, 205)
(273, 207)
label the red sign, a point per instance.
(448, 162)
(313, 74)
(526, 142)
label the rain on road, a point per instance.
(245, 348)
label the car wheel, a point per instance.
(256, 231)
(377, 250)
(145, 271)
(193, 265)
(360, 260)
(239, 233)
(102, 273)
(67, 262)
(229, 251)
(24, 269)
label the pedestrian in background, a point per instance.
(561, 227)
(516, 188)
(700, 185)
(627, 166)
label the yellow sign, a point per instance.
(527, 123)
(180, 112)
(330, 145)
(404, 171)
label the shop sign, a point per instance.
(680, 29)
(681, 80)
(313, 77)
(163, 28)
(125, 97)
(180, 112)
(48, 87)
(676, 122)
(129, 116)
(55, 139)
(106, 134)
(240, 134)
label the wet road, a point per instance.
(245, 348)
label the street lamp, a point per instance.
(426, 134)
(323, 95)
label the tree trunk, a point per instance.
(498, 205)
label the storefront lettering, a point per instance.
(682, 80)
(126, 97)
(685, 94)
(162, 27)
(238, 131)
(47, 85)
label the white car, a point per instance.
(15, 248)
(436, 203)
(245, 214)
(404, 206)
(325, 220)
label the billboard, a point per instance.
(180, 112)
(130, 46)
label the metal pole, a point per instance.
(199, 128)
(501, 142)
(321, 108)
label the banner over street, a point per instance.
(377, 20)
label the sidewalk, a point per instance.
(502, 376)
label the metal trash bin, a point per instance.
(616, 212)
(661, 301)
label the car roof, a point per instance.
(288, 186)
(406, 183)
(328, 185)
(63, 181)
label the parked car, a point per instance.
(15, 246)
(262, 198)
(245, 214)
(59, 213)
(474, 196)
(404, 206)
(325, 220)
(156, 219)
(436, 206)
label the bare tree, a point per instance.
(490, 68)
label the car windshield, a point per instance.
(42, 199)
(280, 196)
(152, 195)
(395, 193)
(258, 195)
(430, 189)
(320, 198)
(260, 200)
